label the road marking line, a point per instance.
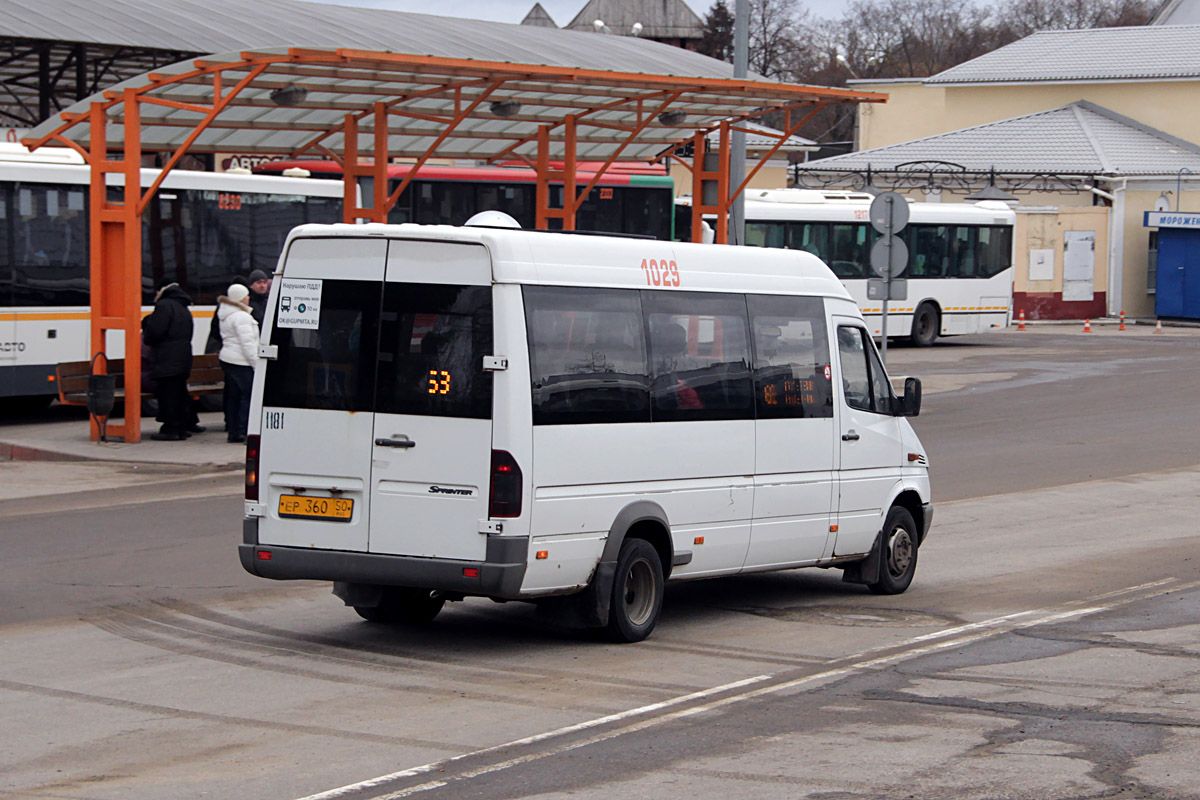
(967, 634)
(579, 726)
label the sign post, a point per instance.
(889, 255)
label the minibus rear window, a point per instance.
(331, 366)
(433, 339)
(587, 354)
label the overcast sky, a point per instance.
(562, 11)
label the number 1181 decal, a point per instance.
(660, 273)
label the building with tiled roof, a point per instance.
(1121, 105)
(539, 17)
(668, 21)
(1079, 170)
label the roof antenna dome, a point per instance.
(492, 219)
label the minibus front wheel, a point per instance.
(637, 592)
(898, 556)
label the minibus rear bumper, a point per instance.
(500, 575)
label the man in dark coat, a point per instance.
(168, 332)
(260, 287)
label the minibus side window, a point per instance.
(333, 365)
(791, 357)
(433, 338)
(699, 356)
(864, 380)
(587, 355)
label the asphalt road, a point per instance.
(1046, 650)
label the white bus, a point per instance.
(569, 420)
(201, 230)
(960, 277)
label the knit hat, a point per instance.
(237, 293)
(258, 275)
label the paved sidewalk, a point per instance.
(69, 440)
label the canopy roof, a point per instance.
(293, 101)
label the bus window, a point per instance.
(995, 250)
(964, 252)
(811, 237)
(928, 257)
(848, 252)
(765, 234)
(699, 356)
(791, 357)
(49, 244)
(587, 355)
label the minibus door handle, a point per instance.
(402, 441)
(850, 436)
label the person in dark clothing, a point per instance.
(260, 287)
(168, 332)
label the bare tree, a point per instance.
(1023, 17)
(778, 34)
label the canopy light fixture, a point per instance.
(505, 108)
(289, 96)
(672, 118)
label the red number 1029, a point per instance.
(660, 273)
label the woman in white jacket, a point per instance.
(239, 352)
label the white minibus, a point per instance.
(442, 412)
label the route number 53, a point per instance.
(660, 273)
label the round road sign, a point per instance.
(889, 212)
(889, 256)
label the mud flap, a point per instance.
(586, 609)
(866, 571)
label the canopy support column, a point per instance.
(546, 175)
(116, 257)
(710, 186)
(377, 170)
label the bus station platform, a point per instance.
(68, 439)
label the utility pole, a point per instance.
(737, 156)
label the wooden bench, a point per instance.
(206, 377)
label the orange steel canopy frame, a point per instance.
(362, 108)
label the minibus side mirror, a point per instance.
(910, 404)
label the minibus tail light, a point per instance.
(252, 448)
(504, 499)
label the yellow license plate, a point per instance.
(337, 509)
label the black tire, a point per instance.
(898, 561)
(637, 592)
(926, 324)
(371, 613)
(403, 606)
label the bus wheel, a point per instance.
(899, 562)
(637, 592)
(925, 326)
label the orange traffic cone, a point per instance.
(1087, 326)
(1122, 325)
(1158, 327)
(1021, 322)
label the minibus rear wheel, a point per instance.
(404, 606)
(898, 561)
(637, 592)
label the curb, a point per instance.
(10, 451)
(20, 452)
